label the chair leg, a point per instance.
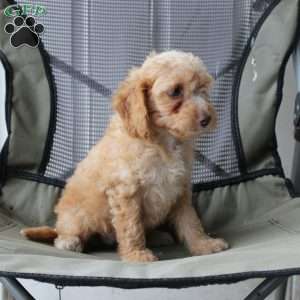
(15, 289)
(268, 286)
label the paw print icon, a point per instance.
(24, 31)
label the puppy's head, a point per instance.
(169, 92)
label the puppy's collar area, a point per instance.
(176, 144)
(169, 142)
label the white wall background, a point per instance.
(237, 291)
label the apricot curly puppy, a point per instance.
(138, 175)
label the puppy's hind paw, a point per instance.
(208, 246)
(70, 243)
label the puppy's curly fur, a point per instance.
(138, 175)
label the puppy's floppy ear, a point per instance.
(206, 79)
(130, 101)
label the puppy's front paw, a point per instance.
(208, 246)
(70, 243)
(140, 256)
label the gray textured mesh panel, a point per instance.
(92, 44)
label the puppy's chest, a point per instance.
(163, 184)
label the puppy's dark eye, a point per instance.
(176, 92)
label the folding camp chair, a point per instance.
(63, 59)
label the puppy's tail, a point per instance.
(41, 234)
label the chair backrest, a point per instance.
(58, 101)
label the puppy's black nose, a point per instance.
(205, 121)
